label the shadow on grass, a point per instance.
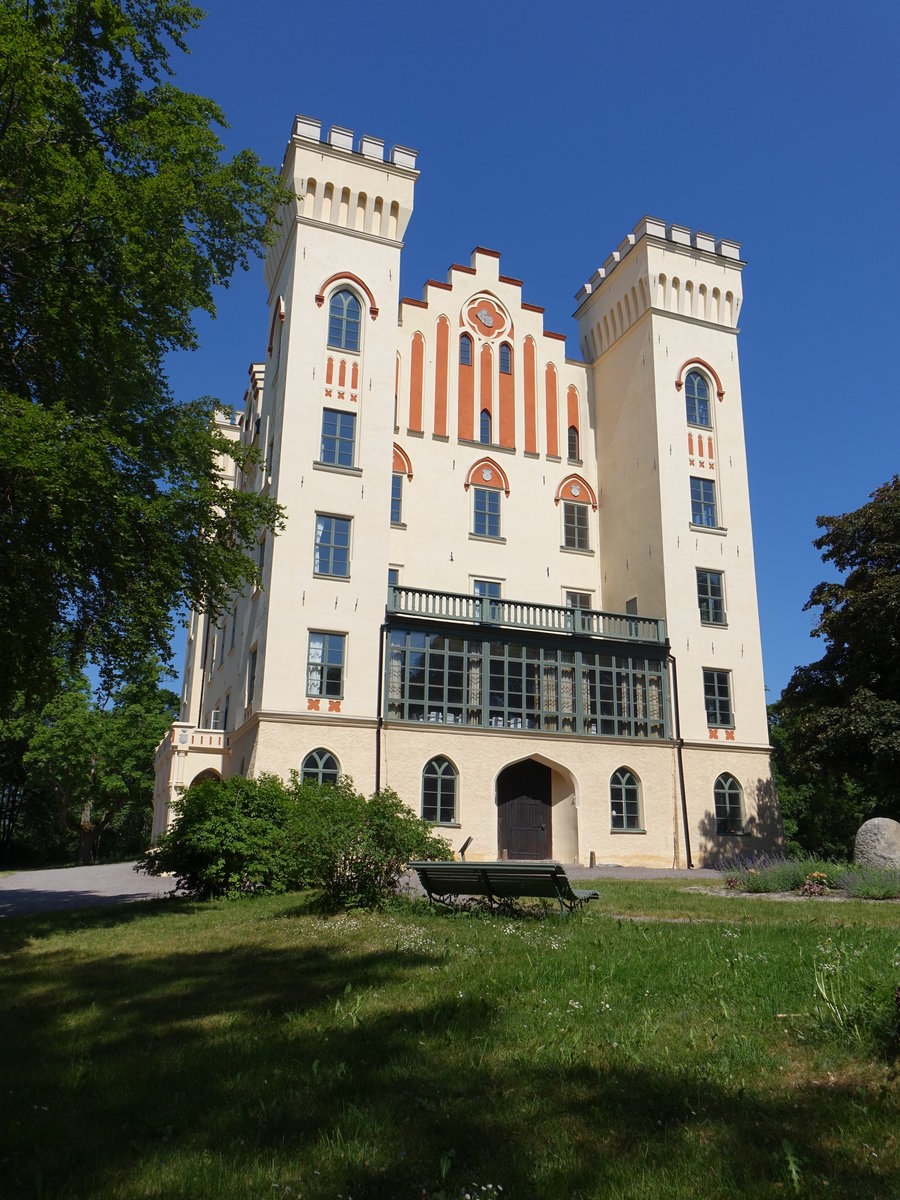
(146, 1075)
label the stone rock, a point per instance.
(878, 843)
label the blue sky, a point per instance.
(547, 131)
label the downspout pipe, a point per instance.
(379, 694)
(679, 755)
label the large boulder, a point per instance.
(878, 843)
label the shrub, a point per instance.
(261, 835)
(356, 849)
(871, 883)
(228, 839)
(812, 876)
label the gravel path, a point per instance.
(25, 892)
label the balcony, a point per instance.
(519, 614)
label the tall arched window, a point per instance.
(625, 801)
(343, 321)
(505, 359)
(439, 787)
(484, 433)
(574, 456)
(696, 391)
(729, 806)
(320, 766)
(465, 351)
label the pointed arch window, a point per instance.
(484, 431)
(625, 801)
(574, 456)
(696, 394)
(729, 805)
(320, 766)
(439, 791)
(344, 313)
(505, 359)
(465, 351)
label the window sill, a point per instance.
(576, 462)
(398, 524)
(700, 425)
(710, 725)
(325, 575)
(713, 624)
(736, 833)
(629, 831)
(334, 469)
(532, 454)
(443, 824)
(718, 529)
(574, 550)
(485, 537)
(554, 458)
(417, 433)
(344, 350)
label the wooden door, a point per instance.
(524, 827)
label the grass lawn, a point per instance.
(663, 1043)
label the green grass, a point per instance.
(664, 1043)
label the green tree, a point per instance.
(91, 766)
(839, 718)
(120, 216)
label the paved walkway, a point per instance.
(26, 892)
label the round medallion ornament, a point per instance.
(487, 473)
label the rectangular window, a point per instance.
(575, 527)
(396, 499)
(393, 576)
(325, 665)
(703, 503)
(578, 599)
(233, 625)
(221, 640)
(486, 587)
(487, 512)
(251, 677)
(225, 711)
(261, 555)
(332, 555)
(338, 437)
(711, 597)
(717, 697)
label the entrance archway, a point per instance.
(524, 823)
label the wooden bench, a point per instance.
(499, 881)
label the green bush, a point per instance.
(356, 849)
(228, 839)
(781, 874)
(260, 835)
(871, 883)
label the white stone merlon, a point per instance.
(583, 292)
(704, 241)
(626, 244)
(340, 138)
(611, 261)
(728, 249)
(650, 225)
(307, 127)
(598, 276)
(680, 234)
(403, 156)
(372, 147)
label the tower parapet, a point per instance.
(347, 182)
(689, 273)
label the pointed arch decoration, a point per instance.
(339, 276)
(402, 465)
(487, 474)
(277, 315)
(699, 362)
(575, 487)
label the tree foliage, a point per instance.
(120, 217)
(83, 772)
(838, 720)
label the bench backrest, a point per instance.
(498, 879)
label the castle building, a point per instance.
(515, 587)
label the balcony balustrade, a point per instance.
(427, 604)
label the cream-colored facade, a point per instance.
(515, 587)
